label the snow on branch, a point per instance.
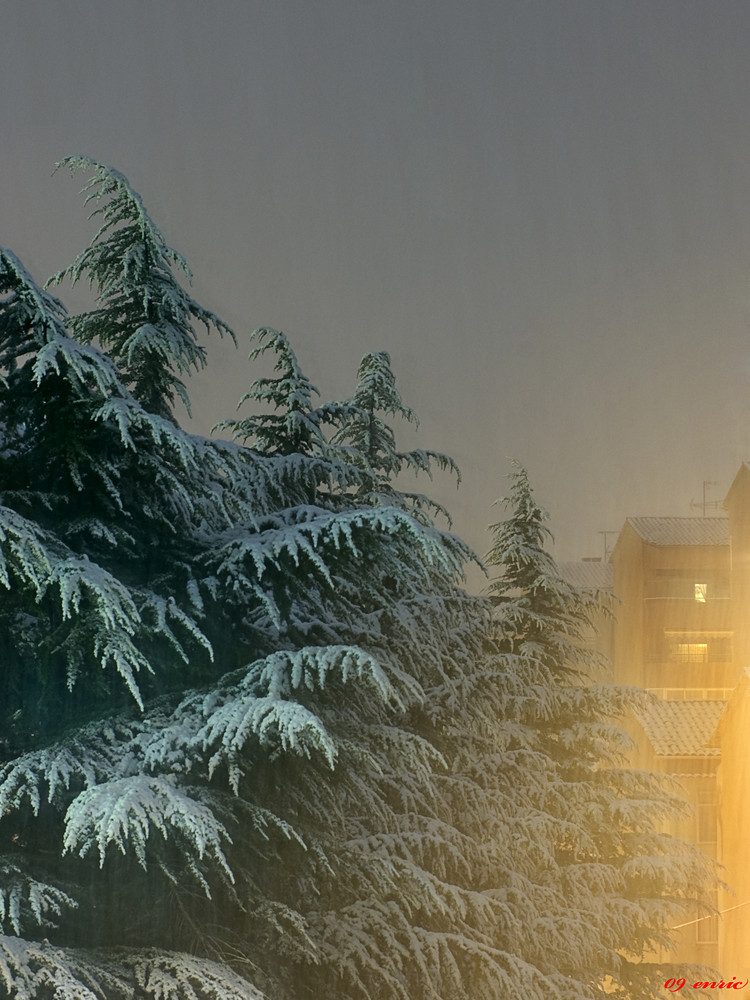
(23, 553)
(272, 721)
(125, 812)
(107, 617)
(29, 970)
(304, 531)
(117, 619)
(261, 705)
(27, 903)
(91, 367)
(309, 667)
(145, 317)
(25, 308)
(171, 976)
(162, 610)
(95, 754)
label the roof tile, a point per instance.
(587, 574)
(681, 728)
(682, 530)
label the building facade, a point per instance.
(682, 633)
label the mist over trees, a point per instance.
(257, 740)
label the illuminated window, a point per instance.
(701, 592)
(690, 652)
(697, 646)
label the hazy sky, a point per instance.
(541, 209)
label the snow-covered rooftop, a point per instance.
(682, 530)
(587, 574)
(681, 728)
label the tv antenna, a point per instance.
(706, 504)
(607, 550)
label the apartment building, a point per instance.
(733, 738)
(682, 633)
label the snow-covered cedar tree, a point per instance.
(593, 883)
(210, 655)
(367, 439)
(144, 318)
(290, 424)
(257, 741)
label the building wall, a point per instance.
(675, 624)
(682, 632)
(734, 735)
(738, 508)
(673, 637)
(734, 834)
(628, 584)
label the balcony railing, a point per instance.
(691, 694)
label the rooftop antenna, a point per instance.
(607, 550)
(705, 504)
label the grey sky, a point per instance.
(541, 209)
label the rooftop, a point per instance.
(682, 530)
(587, 574)
(681, 728)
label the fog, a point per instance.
(540, 209)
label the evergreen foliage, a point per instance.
(368, 440)
(144, 317)
(257, 740)
(294, 425)
(603, 881)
